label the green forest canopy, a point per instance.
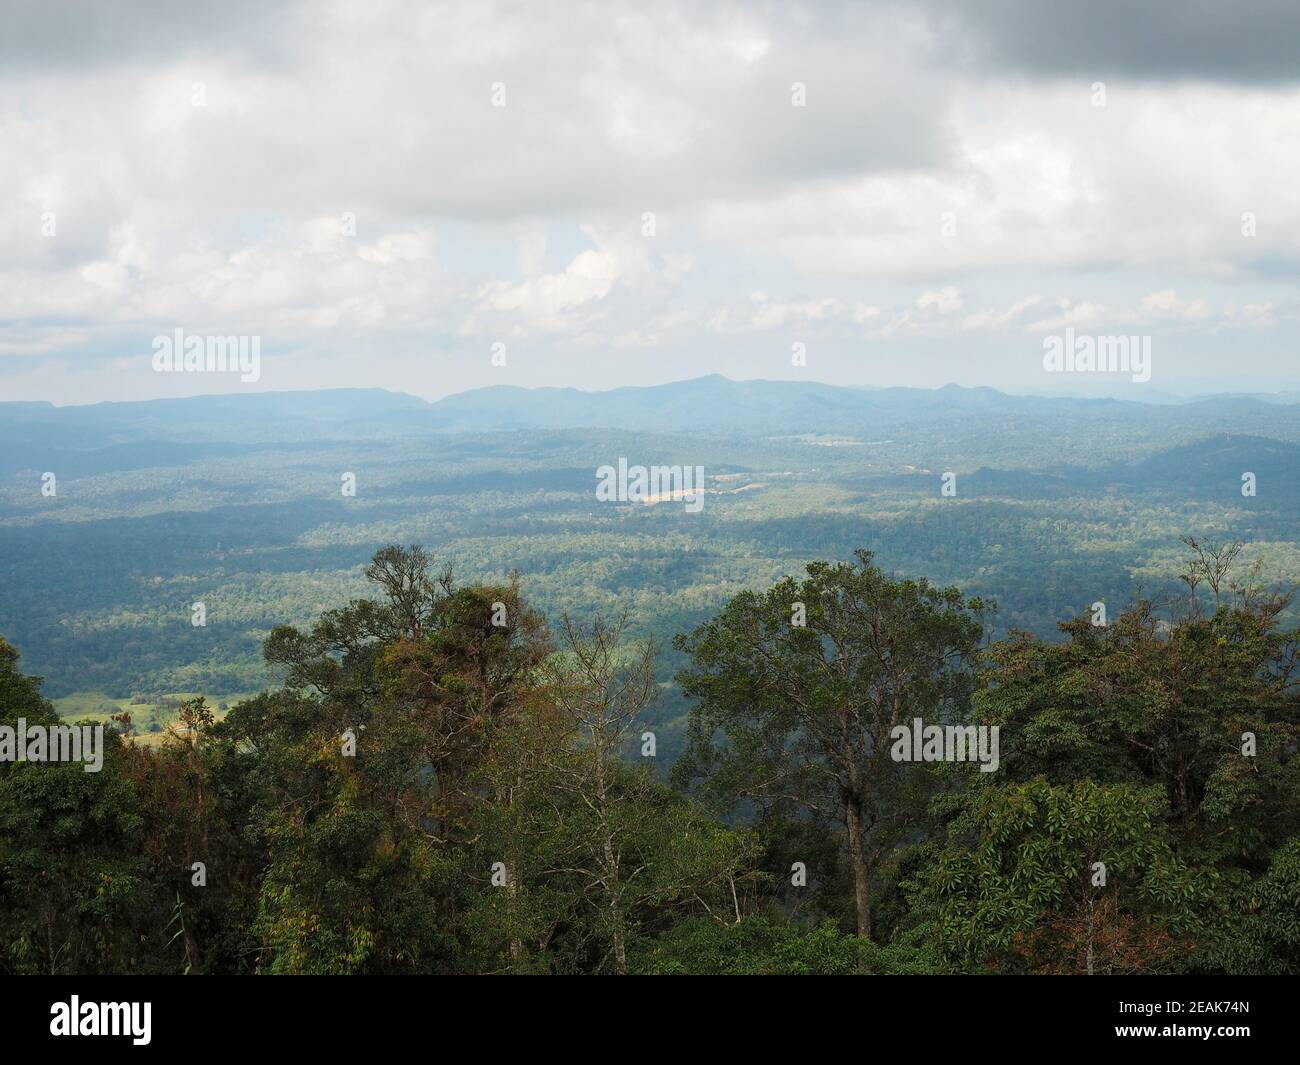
(446, 783)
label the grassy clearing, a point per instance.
(98, 708)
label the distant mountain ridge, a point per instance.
(152, 432)
(696, 404)
(715, 403)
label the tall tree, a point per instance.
(597, 854)
(1201, 709)
(600, 689)
(75, 894)
(389, 708)
(797, 690)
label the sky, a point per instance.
(433, 197)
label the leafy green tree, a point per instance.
(389, 708)
(1269, 941)
(597, 853)
(204, 859)
(797, 690)
(1145, 701)
(75, 893)
(1058, 879)
(1197, 714)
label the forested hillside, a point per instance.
(569, 734)
(448, 781)
(236, 502)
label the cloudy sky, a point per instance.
(383, 192)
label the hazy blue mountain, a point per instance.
(719, 405)
(235, 501)
(32, 433)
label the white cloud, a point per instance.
(1037, 178)
(916, 195)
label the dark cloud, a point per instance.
(1245, 41)
(40, 35)
(1248, 41)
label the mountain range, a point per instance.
(712, 405)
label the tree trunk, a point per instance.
(612, 883)
(616, 908)
(858, 860)
(512, 894)
(1089, 961)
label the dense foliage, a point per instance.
(235, 502)
(445, 783)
